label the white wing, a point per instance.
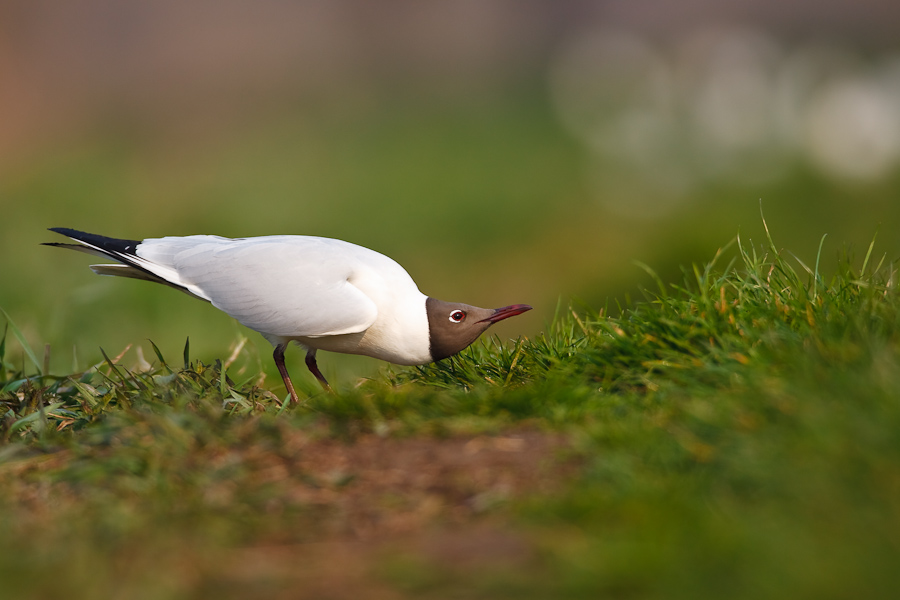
(285, 286)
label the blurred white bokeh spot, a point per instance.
(599, 74)
(732, 102)
(721, 104)
(802, 74)
(853, 128)
(729, 80)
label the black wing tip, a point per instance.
(106, 244)
(72, 233)
(68, 232)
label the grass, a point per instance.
(733, 435)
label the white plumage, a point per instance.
(326, 290)
(322, 293)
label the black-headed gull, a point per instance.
(322, 293)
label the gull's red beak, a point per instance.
(506, 312)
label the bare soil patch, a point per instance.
(432, 500)
(382, 487)
(335, 511)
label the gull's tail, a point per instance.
(123, 251)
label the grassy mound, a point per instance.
(735, 435)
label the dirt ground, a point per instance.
(372, 510)
(427, 500)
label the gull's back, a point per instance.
(297, 287)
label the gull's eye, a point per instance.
(457, 316)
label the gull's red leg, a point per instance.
(279, 362)
(314, 369)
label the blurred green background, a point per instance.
(503, 152)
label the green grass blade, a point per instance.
(35, 416)
(3, 344)
(816, 274)
(862, 272)
(21, 338)
(162, 361)
(223, 385)
(109, 363)
(653, 275)
(766, 227)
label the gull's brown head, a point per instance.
(453, 326)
